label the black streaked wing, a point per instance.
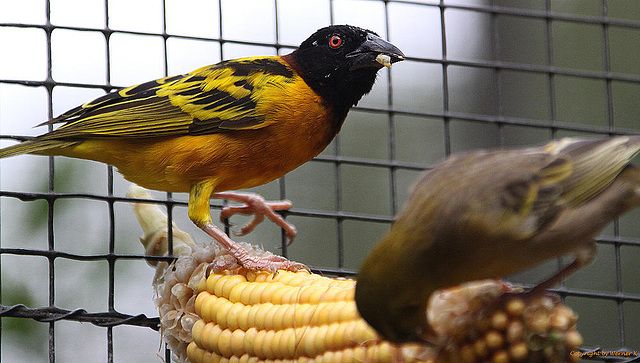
(209, 100)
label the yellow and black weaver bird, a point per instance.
(490, 214)
(233, 125)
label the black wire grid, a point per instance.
(447, 116)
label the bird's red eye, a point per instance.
(335, 41)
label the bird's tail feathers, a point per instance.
(36, 146)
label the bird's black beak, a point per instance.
(375, 52)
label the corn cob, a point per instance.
(483, 324)
(289, 316)
(154, 225)
(235, 315)
(238, 315)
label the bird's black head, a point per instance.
(340, 63)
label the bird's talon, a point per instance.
(271, 263)
(221, 264)
(238, 233)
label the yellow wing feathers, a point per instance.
(576, 170)
(594, 164)
(527, 189)
(212, 99)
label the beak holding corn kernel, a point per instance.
(384, 59)
(236, 315)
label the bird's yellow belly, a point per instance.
(231, 161)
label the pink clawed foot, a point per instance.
(271, 263)
(268, 263)
(256, 205)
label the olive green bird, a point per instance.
(490, 214)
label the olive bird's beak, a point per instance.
(375, 52)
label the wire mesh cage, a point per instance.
(478, 74)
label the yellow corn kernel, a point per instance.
(255, 297)
(229, 283)
(280, 296)
(259, 343)
(250, 340)
(212, 280)
(303, 314)
(213, 340)
(200, 301)
(221, 312)
(215, 307)
(224, 343)
(194, 352)
(309, 342)
(243, 292)
(269, 291)
(251, 318)
(208, 308)
(279, 313)
(196, 331)
(233, 314)
(269, 348)
(264, 316)
(237, 343)
(296, 281)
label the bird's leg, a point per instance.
(256, 205)
(200, 215)
(583, 257)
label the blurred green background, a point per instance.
(513, 76)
